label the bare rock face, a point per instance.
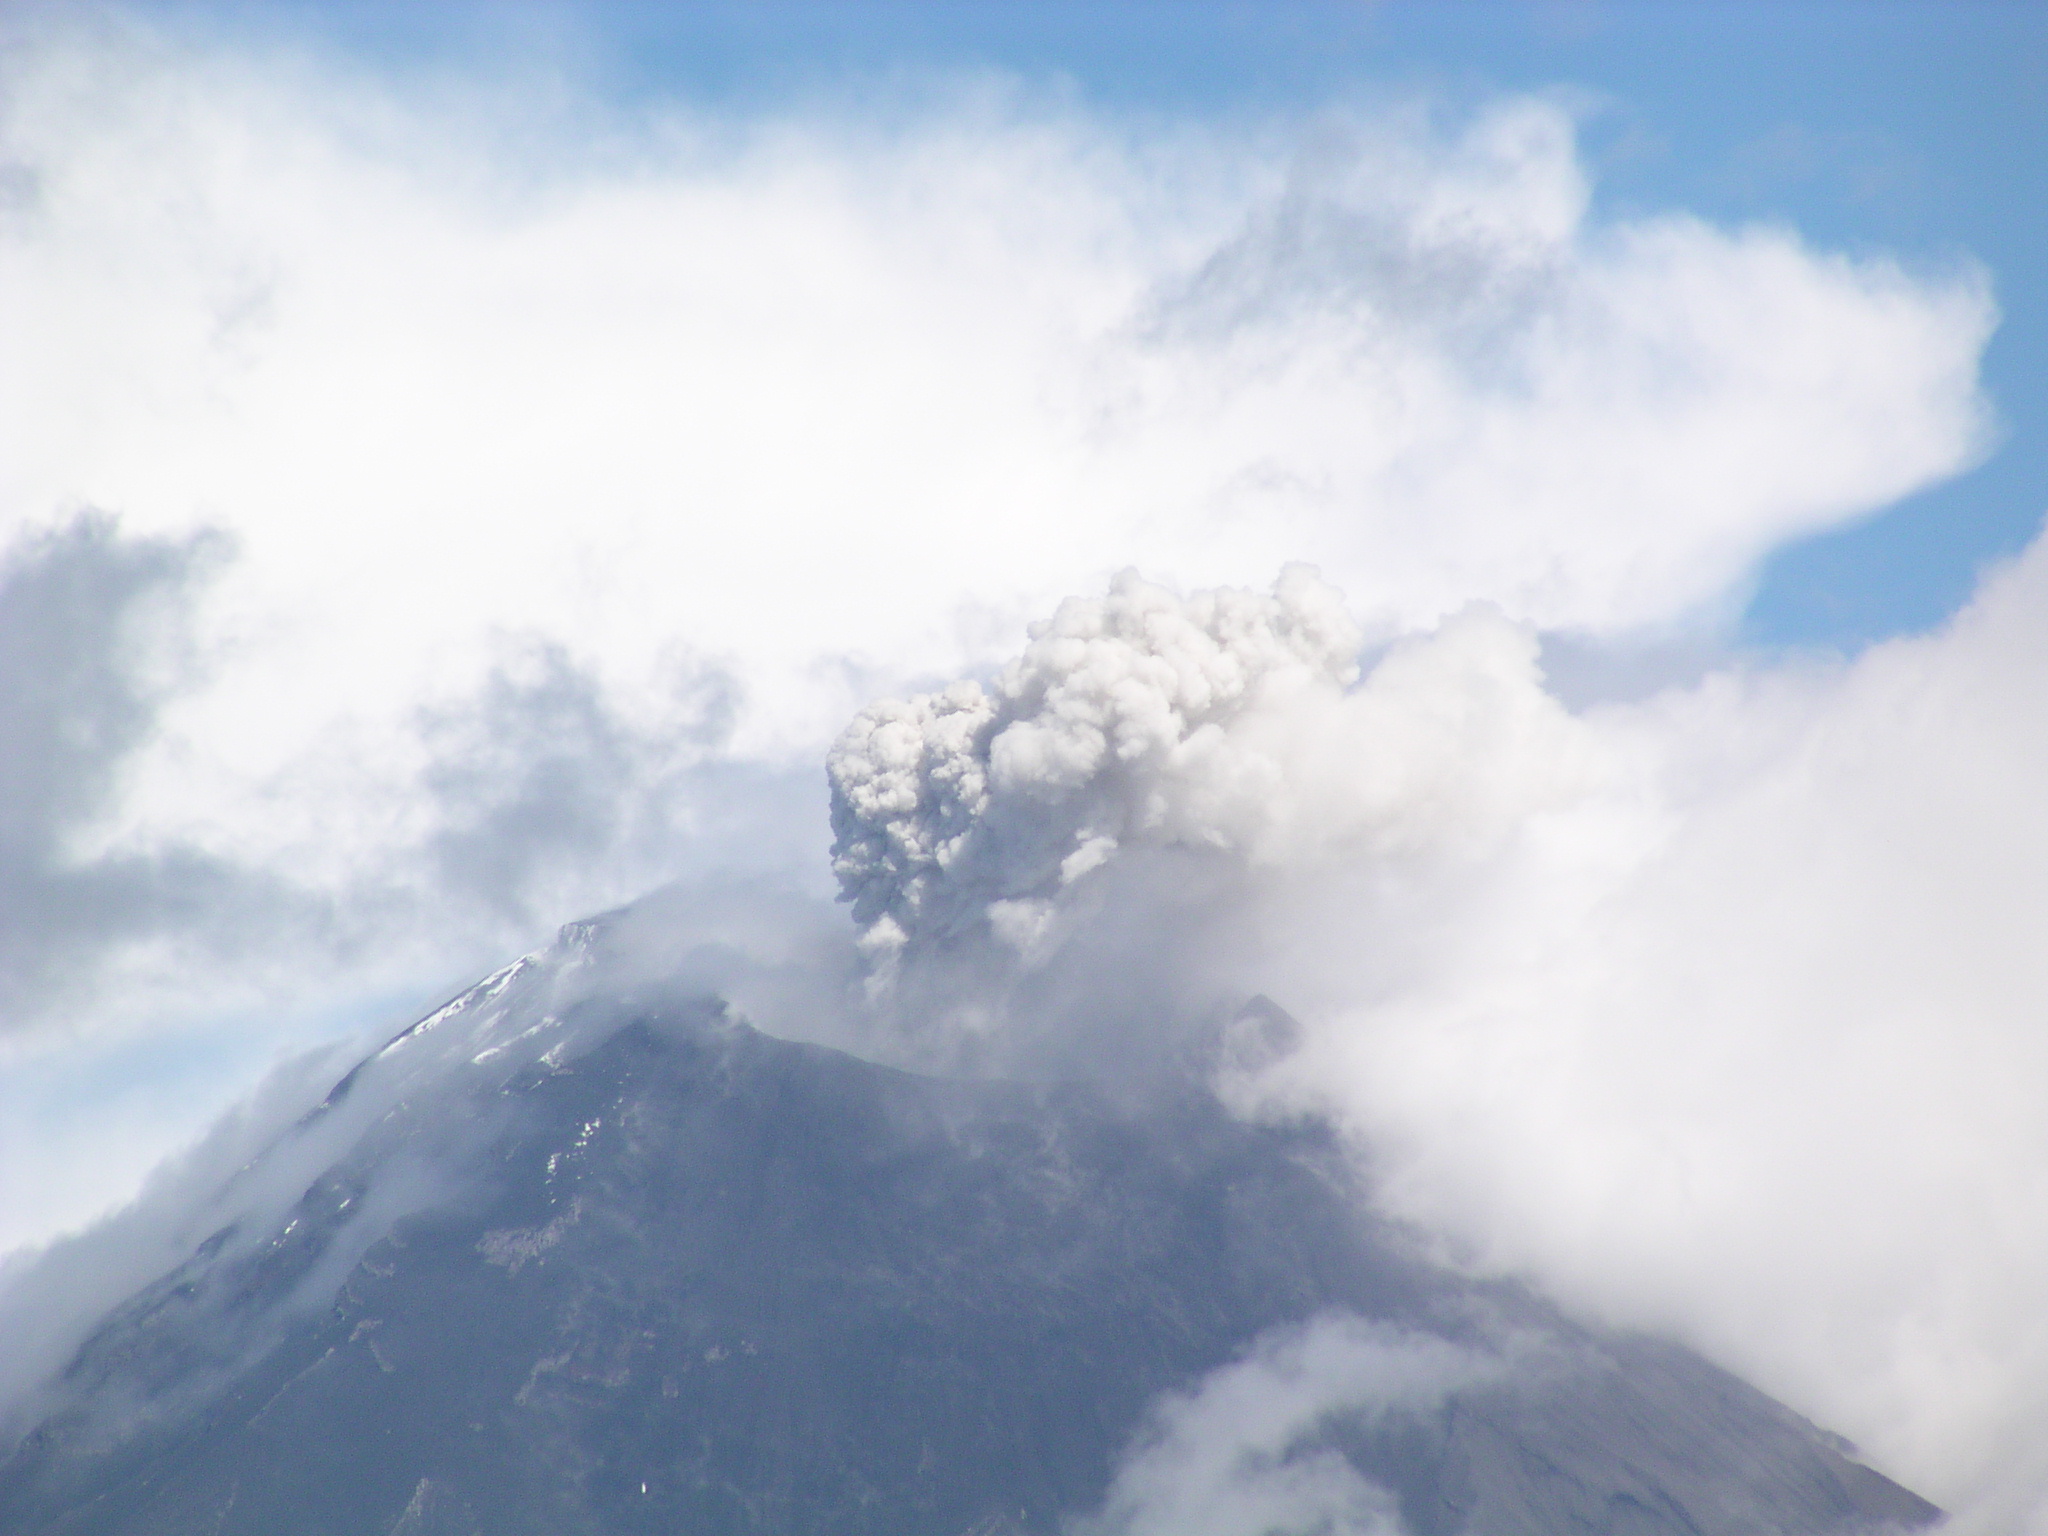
(619, 1263)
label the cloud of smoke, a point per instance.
(1149, 747)
(973, 807)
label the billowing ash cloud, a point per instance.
(1117, 725)
(1116, 794)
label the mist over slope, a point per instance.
(582, 1252)
(1712, 1009)
(1094, 867)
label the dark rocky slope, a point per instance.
(623, 1265)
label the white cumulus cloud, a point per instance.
(526, 416)
(1248, 1450)
(1719, 1013)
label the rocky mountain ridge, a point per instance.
(598, 1258)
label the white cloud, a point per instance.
(1719, 1013)
(803, 391)
(1249, 1450)
(1748, 1048)
(968, 805)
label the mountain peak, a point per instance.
(619, 1262)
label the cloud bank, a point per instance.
(569, 474)
(1718, 1012)
(804, 390)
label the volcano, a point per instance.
(578, 1254)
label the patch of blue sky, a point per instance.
(82, 1117)
(1916, 130)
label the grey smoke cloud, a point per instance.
(1133, 803)
(971, 807)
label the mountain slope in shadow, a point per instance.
(595, 1260)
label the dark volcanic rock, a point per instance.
(647, 1270)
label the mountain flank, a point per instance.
(607, 1260)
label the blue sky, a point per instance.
(1911, 129)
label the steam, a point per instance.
(1717, 1011)
(1215, 754)
(1250, 1448)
